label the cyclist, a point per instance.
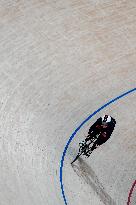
(104, 126)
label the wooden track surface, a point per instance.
(60, 61)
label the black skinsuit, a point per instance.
(96, 129)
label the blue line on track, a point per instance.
(78, 128)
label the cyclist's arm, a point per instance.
(94, 126)
(110, 130)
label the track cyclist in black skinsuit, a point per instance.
(98, 134)
(104, 126)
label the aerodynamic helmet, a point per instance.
(106, 119)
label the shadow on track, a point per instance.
(84, 171)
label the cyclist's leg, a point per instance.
(94, 146)
(97, 143)
(90, 137)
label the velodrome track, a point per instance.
(59, 62)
